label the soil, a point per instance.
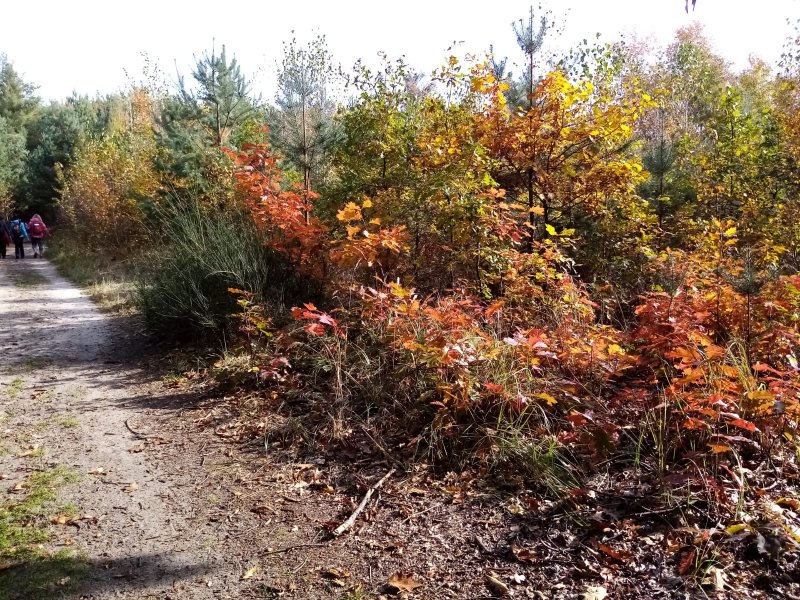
(174, 502)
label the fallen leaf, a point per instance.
(33, 449)
(792, 503)
(250, 572)
(686, 560)
(595, 592)
(716, 577)
(523, 554)
(60, 520)
(404, 583)
(334, 573)
(495, 585)
(97, 471)
(131, 487)
(618, 555)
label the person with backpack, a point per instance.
(5, 238)
(18, 234)
(37, 231)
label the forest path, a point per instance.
(72, 396)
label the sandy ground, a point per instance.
(85, 404)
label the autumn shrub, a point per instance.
(107, 192)
(201, 255)
(496, 292)
(723, 344)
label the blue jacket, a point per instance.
(21, 224)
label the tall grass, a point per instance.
(204, 253)
(106, 274)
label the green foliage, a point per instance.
(17, 100)
(301, 123)
(12, 165)
(53, 139)
(219, 110)
(200, 256)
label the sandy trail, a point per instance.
(75, 365)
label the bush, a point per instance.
(185, 292)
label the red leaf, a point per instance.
(618, 555)
(687, 560)
(315, 329)
(744, 424)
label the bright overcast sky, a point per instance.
(85, 45)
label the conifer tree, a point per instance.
(301, 124)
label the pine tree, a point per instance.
(301, 124)
(194, 124)
(223, 99)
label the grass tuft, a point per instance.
(26, 279)
(27, 569)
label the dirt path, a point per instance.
(74, 399)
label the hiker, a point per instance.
(18, 234)
(5, 238)
(37, 231)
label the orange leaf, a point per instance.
(404, 583)
(743, 424)
(719, 448)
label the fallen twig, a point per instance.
(134, 432)
(416, 514)
(295, 547)
(352, 518)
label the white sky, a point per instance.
(84, 45)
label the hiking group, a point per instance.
(17, 231)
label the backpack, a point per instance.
(36, 228)
(16, 230)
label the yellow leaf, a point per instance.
(351, 212)
(250, 572)
(731, 231)
(547, 398)
(537, 210)
(760, 395)
(734, 529)
(367, 203)
(550, 229)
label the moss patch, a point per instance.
(27, 569)
(26, 279)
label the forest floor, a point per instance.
(122, 475)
